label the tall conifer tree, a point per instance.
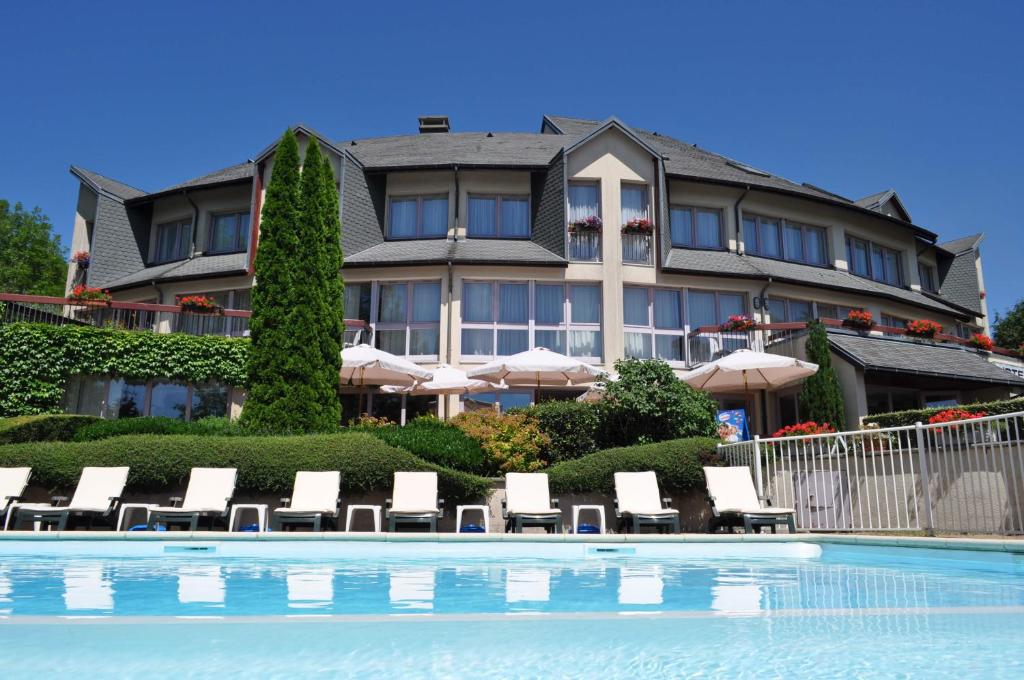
(821, 399)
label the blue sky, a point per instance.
(922, 97)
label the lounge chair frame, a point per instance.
(630, 522)
(397, 519)
(633, 519)
(60, 516)
(174, 517)
(752, 521)
(9, 502)
(515, 522)
(284, 517)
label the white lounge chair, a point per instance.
(414, 500)
(734, 500)
(528, 503)
(12, 485)
(316, 497)
(638, 502)
(96, 497)
(209, 495)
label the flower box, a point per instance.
(81, 258)
(737, 323)
(859, 319)
(638, 226)
(804, 429)
(198, 304)
(923, 328)
(981, 341)
(592, 223)
(90, 297)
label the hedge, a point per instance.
(37, 359)
(677, 463)
(205, 427)
(49, 427)
(436, 442)
(160, 463)
(900, 418)
(574, 428)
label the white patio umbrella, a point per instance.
(537, 367)
(365, 365)
(747, 370)
(446, 380)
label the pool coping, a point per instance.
(949, 543)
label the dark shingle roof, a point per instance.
(904, 356)
(959, 245)
(198, 267)
(748, 266)
(233, 173)
(467, 251)
(466, 149)
(103, 183)
(958, 281)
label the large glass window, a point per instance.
(497, 401)
(873, 261)
(634, 202)
(654, 324)
(169, 400)
(499, 217)
(358, 300)
(209, 400)
(173, 241)
(783, 310)
(927, 276)
(584, 201)
(696, 228)
(119, 398)
(229, 232)
(709, 308)
(500, 318)
(418, 217)
(408, 318)
(784, 240)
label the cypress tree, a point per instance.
(271, 359)
(334, 285)
(821, 399)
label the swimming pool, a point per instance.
(118, 608)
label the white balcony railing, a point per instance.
(585, 246)
(636, 248)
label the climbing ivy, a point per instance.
(37, 359)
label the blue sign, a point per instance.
(732, 425)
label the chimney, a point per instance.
(434, 124)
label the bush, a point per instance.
(511, 441)
(436, 442)
(821, 397)
(43, 428)
(265, 464)
(648, 403)
(572, 426)
(677, 463)
(900, 418)
(206, 427)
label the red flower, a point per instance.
(84, 292)
(859, 318)
(738, 322)
(80, 256)
(923, 328)
(197, 302)
(981, 341)
(955, 414)
(803, 429)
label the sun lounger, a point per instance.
(734, 501)
(638, 503)
(528, 503)
(12, 484)
(315, 498)
(414, 500)
(208, 495)
(96, 497)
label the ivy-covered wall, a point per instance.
(37, 359)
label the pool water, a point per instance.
(840, 612)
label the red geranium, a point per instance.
(81, 257)
(84, 293)
(197, 303)
(954, 414)
(859, 318)
(803, 429)
(638, 226)
(981, 341)
(738, 322)
(923, 328)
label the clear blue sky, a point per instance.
(926, 98)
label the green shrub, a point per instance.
(900, 418)
(677, 463)
(42, 428)
(648, 403)
(511, 441)
(436, 442)
(572, 426)
(206, 427)
(821, 397)
(265, 464)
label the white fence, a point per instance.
(965, 476)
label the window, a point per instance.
(497, 401)
(358, 299)
(584, 201)
(408, 318)
(785, 240)
(168, 399)
(783, 310)
(499, 217)
(500, 318)
(826, 311)
(654, 324)
(118, 398)
(893, 322)
(873, 261)
(634, 202)
(708, 308)
(927, 275)
(229, 233)
(418, 217)
(696, 228)
(173, 241)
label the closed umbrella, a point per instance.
(537, 367)
(364, 365)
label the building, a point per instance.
(460, 246)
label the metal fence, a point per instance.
(965, 476)
(636, 248)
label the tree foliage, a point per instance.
(821, 399)
(1009, 328)
(32, 259)
(296, 318)
(648, 403)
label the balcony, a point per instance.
(141, 316)
(585, 246)
(636, 248)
